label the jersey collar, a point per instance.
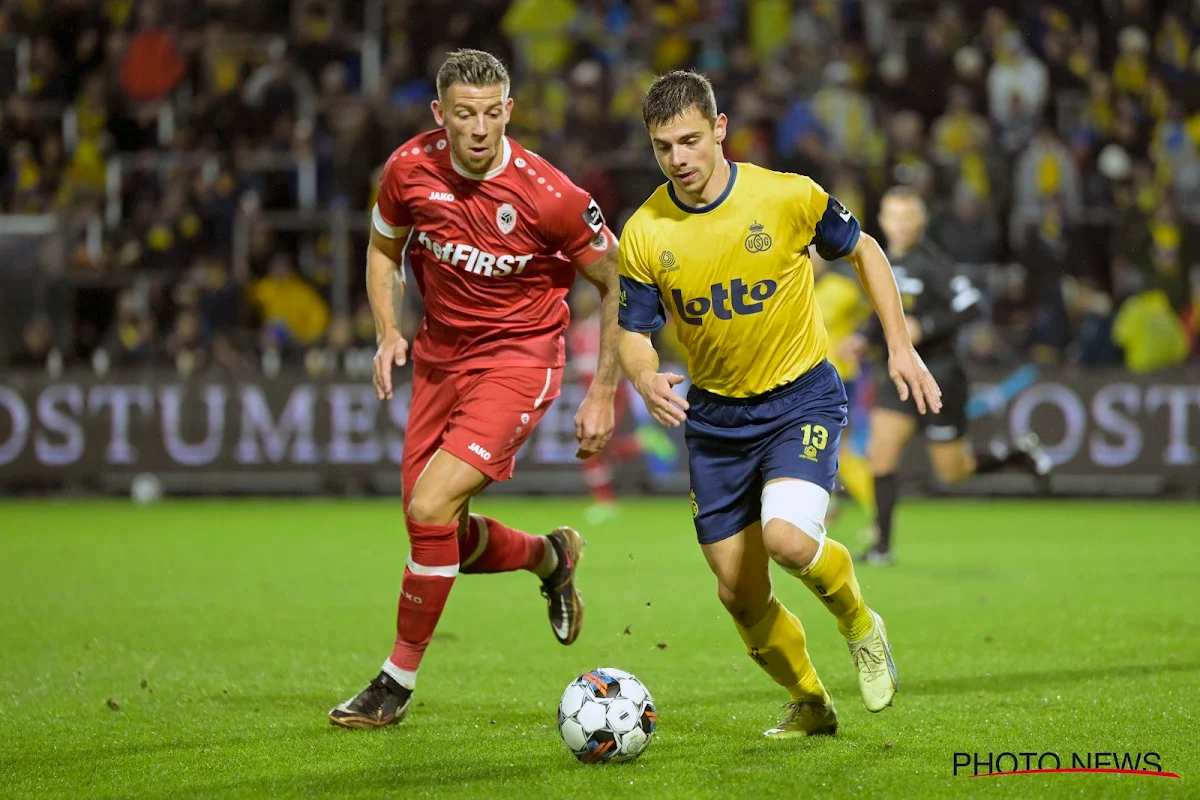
(475, 176)
(706, 208)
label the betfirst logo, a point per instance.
(724, 302)
(474, 260)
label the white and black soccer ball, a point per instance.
(606, 715)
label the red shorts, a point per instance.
(481, 416)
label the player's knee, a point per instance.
(952, 470)
(793, 522)
(744, 607)
(790, 546)
(432, 508)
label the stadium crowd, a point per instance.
(1057, 146)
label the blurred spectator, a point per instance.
(845, 114)
(293, 313)
(36, 345)
(131, 339)
(153, 65)
(1018, 82)
(958, 129)
(1044, 173)
(1150, 332)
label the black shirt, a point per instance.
(941, 301)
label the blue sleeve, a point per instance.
(837, 232)
(640, 309)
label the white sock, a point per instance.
(401, 676)
(549, 561)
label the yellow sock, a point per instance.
(832, 579)
(856, 475)
(776, 643)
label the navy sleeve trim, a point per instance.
(640, 309)
(837, 232)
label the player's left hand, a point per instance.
(908, 371)
(594, 422)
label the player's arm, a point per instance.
(639, 360)
(640, 313)
(576, 227)
(962, 308)
(905, 367)
(596, 419)
(390, 229)
(603, 274)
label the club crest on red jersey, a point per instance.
(506, 218)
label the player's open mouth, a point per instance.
(686, 177)
(478, 152)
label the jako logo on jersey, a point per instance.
(692, 311)
(474, 260)
(412, 598)
(479, 451)
(445, 197)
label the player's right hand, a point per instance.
(392, 352)
(663, 404)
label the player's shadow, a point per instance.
(1016, 681)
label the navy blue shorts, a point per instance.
(736, 445)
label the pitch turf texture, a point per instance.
(194, 648)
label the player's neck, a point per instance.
(902, 251)
(712, 189)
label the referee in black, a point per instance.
(937, 305)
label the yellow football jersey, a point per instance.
(736, 276)
(845, 307)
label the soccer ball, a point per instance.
(606, 715)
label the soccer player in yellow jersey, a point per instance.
(724, 246)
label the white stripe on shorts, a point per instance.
(549, 374)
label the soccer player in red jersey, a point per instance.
(495, 235)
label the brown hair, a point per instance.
(673, 93)
(471, 68)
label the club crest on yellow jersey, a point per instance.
(759, 241)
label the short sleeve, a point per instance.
(577, 225)
(835, 230)
(640, 307)
(390, 215)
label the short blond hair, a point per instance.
(471, 68)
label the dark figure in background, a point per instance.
(937, 305)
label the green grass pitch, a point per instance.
(194, 648)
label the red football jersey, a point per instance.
(494, 255)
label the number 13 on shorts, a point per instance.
(815, 439)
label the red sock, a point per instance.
(624, 448)
(490, 546)
(599, 479)
(428, 578)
